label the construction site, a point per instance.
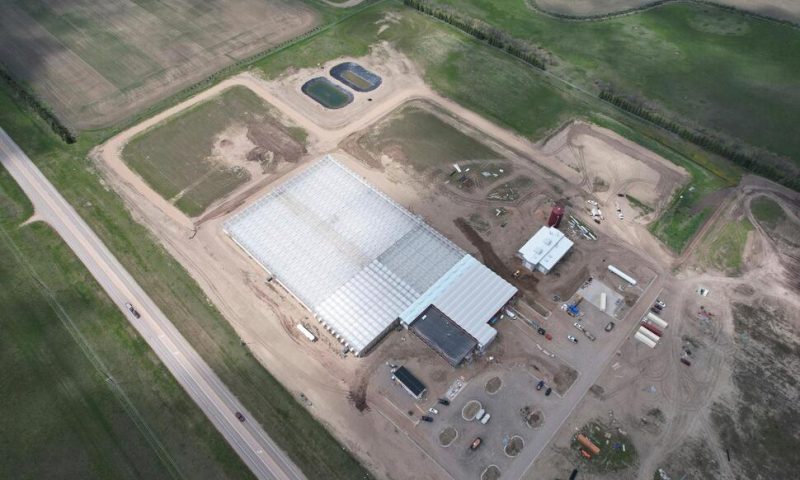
(440, 282)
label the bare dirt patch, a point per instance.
(95, 72)
(470, 410)
(493, 385)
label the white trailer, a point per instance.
(647, 333)
(306, 332)
(622, 274)
(657, 320)
(644, 340)
(603, 301)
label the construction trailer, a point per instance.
(544, 249)
(657, 320)
(647, 333)
(622, 274)
(645, 340)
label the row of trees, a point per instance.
(709, 142)
(527, 52)
(37, 106)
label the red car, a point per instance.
(475, 443)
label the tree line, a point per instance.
(706, 141)
(37, 106)
(527, 52)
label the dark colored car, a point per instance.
(547, 392)
(132, 310)
(541, 331)
(426, 418)
(443, 401)
(609, 326)
(540, 385)
(240, 416)
(475, 443)
(574, 474)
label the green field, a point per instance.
(723, 246)
(307, 442)
(83, 394)
(417, 136)
(175, 157)
(717, 69)
(767, 211)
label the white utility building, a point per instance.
(360, 262)
(544, 250)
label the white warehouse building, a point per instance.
(361, 263)
(544, 250)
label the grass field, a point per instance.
(716, 69)
(723, 246)
(62, 340)
(767, 211)
(176, 158)
(312, 447)
(96, 63)
(418, 137)
(788, 10)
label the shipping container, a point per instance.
(647, 333)
(649, 326)
(656, 320)
(644, 340)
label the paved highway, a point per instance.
(247, 438)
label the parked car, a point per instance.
(610, 326)
(540, 331)
(443, 401)
(480, 414)
(426, 418)
(548, 392)
(475, 443)
(433, 411)
(660, 303)
(540, 385)
(572, 339)
(485, 419)
(240, 416)
(578, 326)
(133, 310)
(573, 474)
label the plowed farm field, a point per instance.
(96, 63)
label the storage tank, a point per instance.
(657, 320)
(644, 340)
(647, 333)
(555, 216)
(583, 440)
(652, 328)
(603, 301)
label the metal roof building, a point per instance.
(544, 250)
(359, 261)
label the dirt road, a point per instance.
(247, 438)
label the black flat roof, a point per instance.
(411, 382)
(444, 335)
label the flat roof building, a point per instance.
(544, 250)
(409, 382)
(360, 262)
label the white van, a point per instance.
(485, 419)
(480, 414)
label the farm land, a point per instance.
(96, 63)
(785, 10)
(83, 395)
(535, 108)
(654, 56)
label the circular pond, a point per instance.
(326, 93)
